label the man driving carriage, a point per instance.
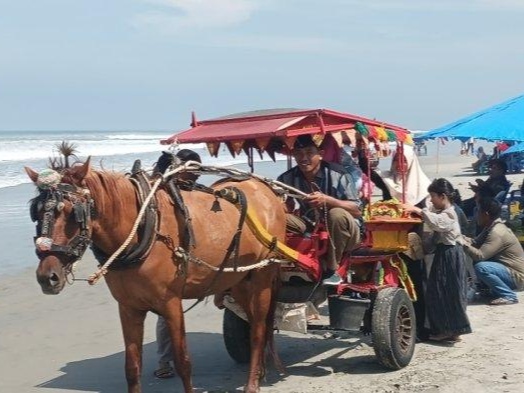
(331, 193)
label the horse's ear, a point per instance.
(32, 174)
(80, 171)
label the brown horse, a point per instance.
(100, 208)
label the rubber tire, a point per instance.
(390, 304)
(236, 333)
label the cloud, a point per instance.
(177, 15)
(440, 5)
(501, 4)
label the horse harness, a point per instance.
(183, 251)
(147, 228)
(51, 201)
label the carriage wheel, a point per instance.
(236, 334)
(393, 328)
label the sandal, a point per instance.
(164, 372)
(502, 301)
(438, 337)
(444, 338)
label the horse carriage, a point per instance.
(377, 293)
(159, 243)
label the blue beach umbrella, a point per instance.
(501, 122)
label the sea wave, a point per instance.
(27, 150)
(114, 151)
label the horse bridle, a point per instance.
(51, 200)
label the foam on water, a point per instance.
(114, 150)
(31, 145)
(111, 150)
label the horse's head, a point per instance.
(62, 212)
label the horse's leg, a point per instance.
(175, 320)
(270, 334)
(258, 292)
(133, 329)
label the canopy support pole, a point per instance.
(438, 155)
(250, 160)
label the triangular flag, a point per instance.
(213, 147)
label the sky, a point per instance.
(146, 64)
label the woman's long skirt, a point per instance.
(446, 293)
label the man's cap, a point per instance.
(304, 141)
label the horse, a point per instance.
(97, 207)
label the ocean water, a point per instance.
(108, 150)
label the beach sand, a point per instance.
(73, 342)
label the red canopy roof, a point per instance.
(257, 128)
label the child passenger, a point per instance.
(447, 282)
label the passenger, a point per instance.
(497, 255)
(496, 182)
(163, 338)
(375, 177)
(357, 170)
(447, 282)
(329, 188)
(335, 154)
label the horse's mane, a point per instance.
(110, 188)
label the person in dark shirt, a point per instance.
(482, 157)
(330, 189)
(167, 159)
(497, 183)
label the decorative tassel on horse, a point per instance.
(216, 205)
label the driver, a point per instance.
(331, 191)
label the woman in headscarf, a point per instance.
(417, 182)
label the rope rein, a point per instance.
(198, 168)
(103, 269)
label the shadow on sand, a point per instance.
(215, 372)
(469, 172)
